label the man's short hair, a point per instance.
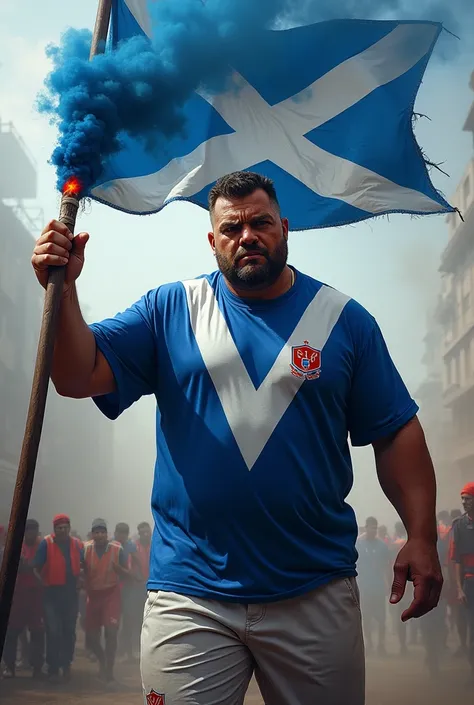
(371, 521)
(240, 184)
(122, 526)
(143, 525)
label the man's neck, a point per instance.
(278, 288)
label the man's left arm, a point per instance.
(381, 413)
(406, 475)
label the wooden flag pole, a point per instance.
(39, 390)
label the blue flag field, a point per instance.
(326, 110)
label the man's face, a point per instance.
(371, 531)
(250, 240)
(468, 503)
(121, 536)
(99, 536)
(62, 531)
(144, 533)
(31, 536)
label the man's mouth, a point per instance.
(251, 257)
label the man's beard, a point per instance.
(254, 276)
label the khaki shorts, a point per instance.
(304, 651)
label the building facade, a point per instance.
(20, 303)
(435, 417)
(456, 315)
(76, 453)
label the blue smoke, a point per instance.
(140, 88)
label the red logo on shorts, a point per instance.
(305, 361)
(154, 698)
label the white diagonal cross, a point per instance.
(276, 133)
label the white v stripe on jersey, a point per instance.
(251, 413)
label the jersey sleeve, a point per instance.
(128, 343)
(379, 402)
(40, 555)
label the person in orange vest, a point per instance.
(104, 565)
(58, 565)
(27, 608)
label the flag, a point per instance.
(326, 112)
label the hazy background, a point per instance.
(389, 265)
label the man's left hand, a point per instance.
(417, 562)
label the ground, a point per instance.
(390, 681)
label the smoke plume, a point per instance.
(140, 88)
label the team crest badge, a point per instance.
(305, 361)
(154, 698)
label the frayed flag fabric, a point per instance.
(325, 110)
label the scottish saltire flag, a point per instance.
(326, 111)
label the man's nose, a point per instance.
(247, 235)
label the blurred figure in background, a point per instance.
(373, 571)
(130, 625)
(27, 609)
(463, 556)
(382, 534)
(58, 565)
(104, 566)
(458, 616)
(398, 542)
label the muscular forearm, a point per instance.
(407, 478)
(74, 351)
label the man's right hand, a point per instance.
(57, 247)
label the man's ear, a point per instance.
(286, 226)
(212, 242)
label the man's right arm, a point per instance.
(79, 368)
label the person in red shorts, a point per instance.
(27, 607)
(104, 565)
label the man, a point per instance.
(463, 557)
(104, 565)
(458, 616)
(372, 568)
(58, 564)
(27, 608)
(382, 534)
(143, 545)
(129, 635)
(260, 373)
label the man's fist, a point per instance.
(57, 247)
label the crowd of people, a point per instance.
(100, 584)
(63, 582)
(378, 550)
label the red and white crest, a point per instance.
(305, 361)
(154, 698)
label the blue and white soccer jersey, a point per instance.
(255, 401)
